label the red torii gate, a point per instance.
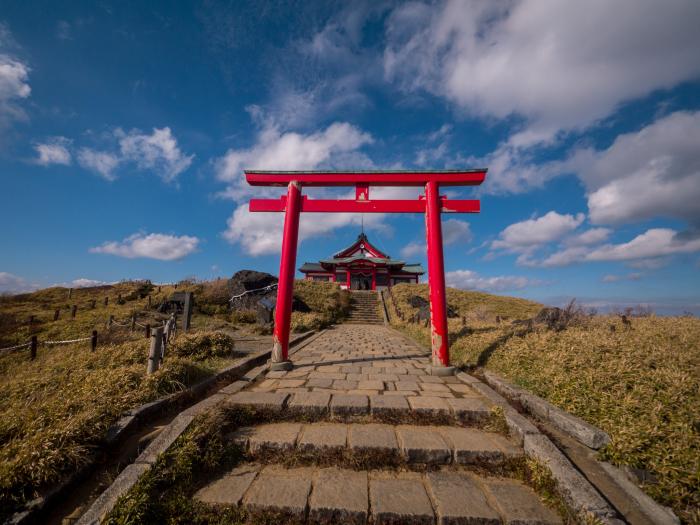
(432, 204)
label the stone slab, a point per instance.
(471, 446)
(349, 405)
(459, 500)
(273, 401)
(576, 427)
(323, 436)
(278, 490)
(370, 385)
(230, 488)
(423, 445)
(469, 409)
(205, 405)
(429, 405)
(309, 403)
(273, 437)
(518, 504)
(339, 496)
(372, 437)
(388, 405)
(234, 387)
(395, 501)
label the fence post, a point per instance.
(148, 330)
(32, 348)
(119, 299)
(93, 303)
(56, 314)
(70, 293)
(155, 350)
(73, 311)
(106, 301)
(110, 321)
(187, 311)
(133, 323)
(31, 319)
(93, 341)
(149, 300)
(159, 289)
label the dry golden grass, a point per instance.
(328, 304)
(641, 385)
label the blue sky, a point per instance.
(124, 129)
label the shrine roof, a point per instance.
(312, 267)
(355, 258)
(362, 242)
(413, 268)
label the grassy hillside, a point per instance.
(56, 409)
(641, 384)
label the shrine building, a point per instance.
(362, 266)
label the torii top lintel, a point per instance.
(470, 177)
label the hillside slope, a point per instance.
(640, 383)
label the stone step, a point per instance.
(376, 445)
(347, 400)
(333, 495)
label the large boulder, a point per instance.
(255, 283)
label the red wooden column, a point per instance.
(374, 278)
(436, 281)
(285, 288)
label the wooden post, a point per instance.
(187, 311)
(56, 314)
(464, 321)
(159, 289)
(133, 323)
(119, 299)
(148, 331)
(155, 350)
(110, 321)
(93, 341)
(73, 311)
(70, 293)
(93, 303)
(32, 348)
(31, 319)
(106, 301)
(149, 300)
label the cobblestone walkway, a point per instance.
(358, 432)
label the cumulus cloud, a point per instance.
(591, 236)
(261, 233)
(648, 250)
(613, 278)
(83, 282)
(523, 236)
(413, 249)
(151, 246)
(14, 82)
(531, 58)
(469, 280)
(102, 162)
(650, 173)
(53, 151)
(158, 152)
(11, 284)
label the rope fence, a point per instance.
(264, 288)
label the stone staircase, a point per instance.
(365, 308)
(359, 433)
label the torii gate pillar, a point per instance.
(433, 205)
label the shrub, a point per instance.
(200, 346)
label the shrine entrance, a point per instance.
(360, 281)
(432, 204)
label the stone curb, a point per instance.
(131, 474)
(578, 493)
(385, 315)
(656, 512)
(576, 427)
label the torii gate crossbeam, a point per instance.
(432, 204)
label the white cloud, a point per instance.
(275, 150)
(455, 231)
(11, 284)
(532, 58)
(14, 85)
(53, 151)
(650, 173)
(413, 249)
(101, 162)
(523, 236)
(261, 233)
(158, 152)
(648, 250)
(469, 280)
(592, 236)
(655, 242)
(151, 246)
(82, 282)
(613, 278)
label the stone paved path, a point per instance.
(358, 432)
